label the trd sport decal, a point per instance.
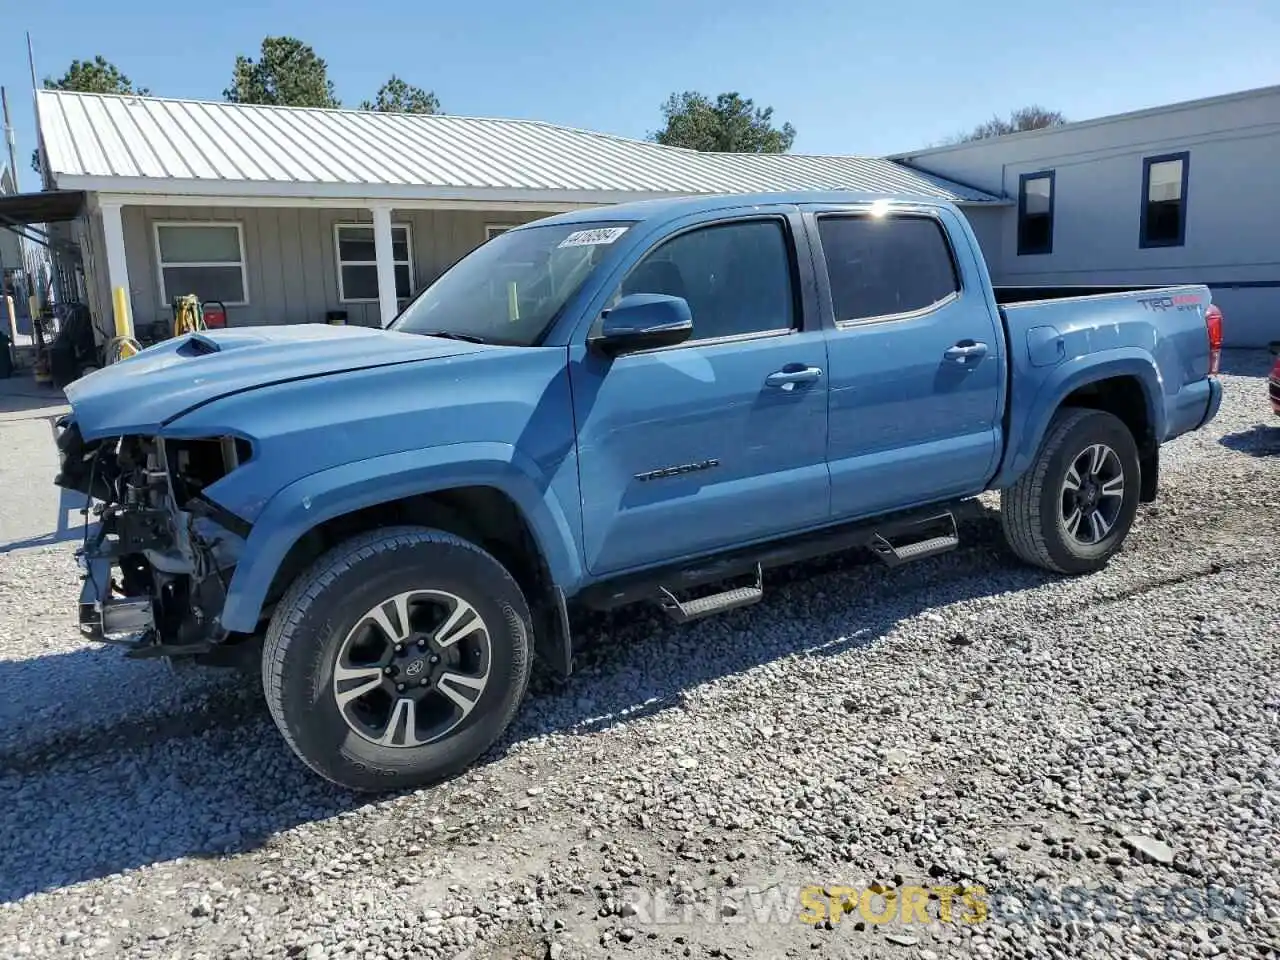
(1183, 301)
(665, 472)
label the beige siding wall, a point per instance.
(290, 260)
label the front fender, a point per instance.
(1030, 418)
(331, 493)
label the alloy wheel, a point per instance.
(1092, 494)
(412, 669)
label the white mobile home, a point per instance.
(1187, 193)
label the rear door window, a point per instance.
(885, 266)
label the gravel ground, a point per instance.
(32, 513)
(1098, 755)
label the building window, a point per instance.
(1164, 200)
(1035, 213)
(491, 230)
(206, 259)
(886, 266)
(358, 262)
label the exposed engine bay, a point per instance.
(157, 553)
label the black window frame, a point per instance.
(1183, 156)
(793, 278)
(1024, 249)
(956, 273)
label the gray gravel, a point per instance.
(1092, 752)
(31, 512)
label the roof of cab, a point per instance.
(670, 208)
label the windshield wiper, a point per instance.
(452, 335)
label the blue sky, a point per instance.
(851, 77)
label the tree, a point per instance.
(98, 75)
(729, 125)
(1033, 117)
(396, 96)
(287, 73)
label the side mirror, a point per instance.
(1274, 347)
(643, 321)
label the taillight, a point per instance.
(1213, 326)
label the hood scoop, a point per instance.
(198, 345)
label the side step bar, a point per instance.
(682, 611)
(894, 555)
(895, 541)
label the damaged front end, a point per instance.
(157, 554)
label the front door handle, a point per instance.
(966, 350)
(791, 374)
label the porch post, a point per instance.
(117, 266)
(386, 261)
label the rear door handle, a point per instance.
(966, 350)
(791, 374)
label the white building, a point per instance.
(1187, 193)
(12, 261)
(289, 215)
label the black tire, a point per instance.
(310, 629)
(1031, 511)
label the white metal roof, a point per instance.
(1258, 93)
(199, 148)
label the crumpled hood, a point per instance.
(141, 394)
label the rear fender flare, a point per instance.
(331, 493)
(1027, 432)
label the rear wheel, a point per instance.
(1071, 511)
(397, 659)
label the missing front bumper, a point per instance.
(129, 621)
(154, 566)
(142, 624)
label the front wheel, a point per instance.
(397, 659)
(1071, 511)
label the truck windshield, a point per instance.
(510, 289)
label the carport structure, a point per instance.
(34, 217)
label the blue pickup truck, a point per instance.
(655, 402)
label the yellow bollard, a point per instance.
(124, 320)
(126, 345)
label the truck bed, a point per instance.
(1149, 336)
(1015, 294)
